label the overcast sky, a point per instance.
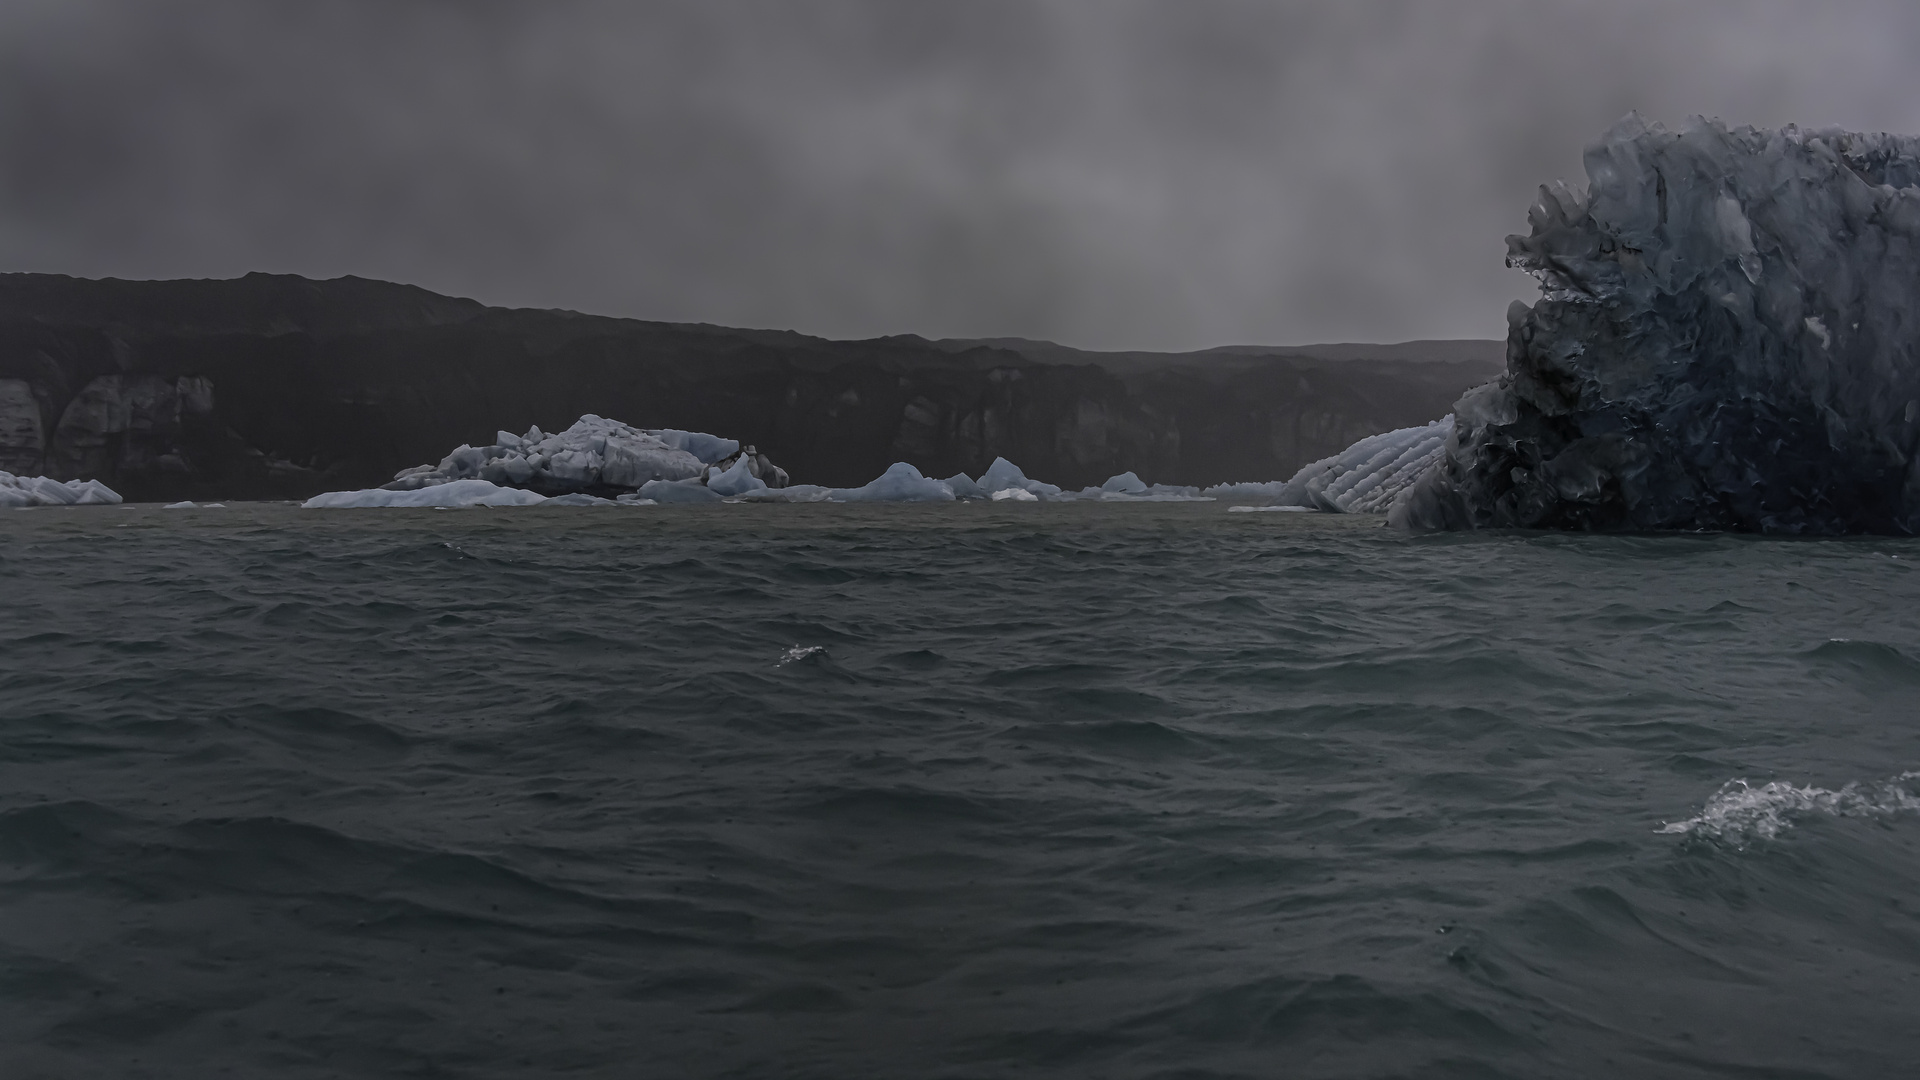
(1105, 173)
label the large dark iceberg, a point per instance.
(1727, 340)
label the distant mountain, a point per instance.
(274, 386)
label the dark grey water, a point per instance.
(1057, 790)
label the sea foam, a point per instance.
(1741, 813)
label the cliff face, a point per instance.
(280, 387)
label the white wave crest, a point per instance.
(799, 652)
(1740, 813)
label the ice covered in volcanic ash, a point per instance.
(1726, 340)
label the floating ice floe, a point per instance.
(23, 491)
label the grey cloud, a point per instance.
(1107, 173)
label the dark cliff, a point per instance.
(279, 387)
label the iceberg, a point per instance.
(1726, 339)
(598, 456)
(594, 458)
(900, 483)
(24, 491)
(451, 494)
(1004, 475)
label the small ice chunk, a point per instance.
(575, 466)
(518, 470)
(578, 498)
(93, 493)
(1125, 484)
(1015, 495)
(184, 504)
(964, 487)
(737, 480)
(710, 449)
(465, 461)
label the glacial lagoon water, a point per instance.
(969, 790)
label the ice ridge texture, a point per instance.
(1726, 340)
(22, 491)
(1365, 478)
